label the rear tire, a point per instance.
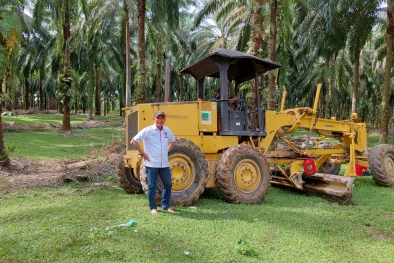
(243, 175)
(328, 167)
(126, 177)
(381, 161)
(189, 172)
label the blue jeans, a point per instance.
(165, 176)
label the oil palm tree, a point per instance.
(165, 11)
(388, 73)
(361, 16)
(243, 18)
(246, 19)
(320, 34)
(10, 30)
(62, 14)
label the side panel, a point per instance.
(208, 116)
(181, 118)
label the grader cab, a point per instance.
(226, 144)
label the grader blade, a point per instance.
(335, 187)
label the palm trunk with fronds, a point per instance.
(387, 75)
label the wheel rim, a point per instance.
(389, 161)
(182, 172)
(247, 176)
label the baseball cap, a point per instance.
(159, 112)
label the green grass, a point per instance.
(55, 119)
(373, 139)
(53, 145)
(78, 223)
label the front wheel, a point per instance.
(127, 178)
(381, 161)
(189, 173)
(243, 175)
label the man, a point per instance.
(232, 98)
(158, 141)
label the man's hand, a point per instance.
(138, 147)
(146, 157)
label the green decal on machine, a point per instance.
(206, 117)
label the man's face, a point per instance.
(159, 121)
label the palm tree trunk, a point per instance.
(4, 160)
(140, 90)
(323, 103)
(66, 126)
(356, 82)
(106, 103)
(40, 90)
(272, 103)
(365, 88)
(375, 117)
(181, 84)
(76, 98)
(97, 100)
(27, 101)
(384, 127)
(158, 74)
(258, 40)
(90, 92)
(128, 69)
(47, 102)
(31, 98)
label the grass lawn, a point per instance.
(52, 144)
(81, 222)
(78, 222)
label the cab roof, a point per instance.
(242, 66)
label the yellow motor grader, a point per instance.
(224, 144)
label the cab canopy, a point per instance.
(241, 66)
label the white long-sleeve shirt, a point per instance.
(156, 145)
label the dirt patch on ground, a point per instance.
(25, 173)
(377, 235)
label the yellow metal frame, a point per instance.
(352, 136)
(197, 121)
